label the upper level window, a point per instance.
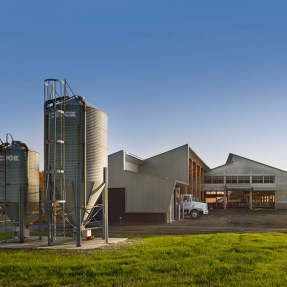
(218, 179)
(214, 179)
(208, 179)
(231, 179)
(243, 179)
(269, 179)
(257, 179)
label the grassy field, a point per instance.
(193, 260)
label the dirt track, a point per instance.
(217, 221)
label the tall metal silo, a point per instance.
(19, 178)
(76, 148)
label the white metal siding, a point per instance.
(172, 164)
(144, 193)
(131, 166)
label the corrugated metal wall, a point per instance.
(131, 167)
(115, 170)
(117, 213)
(172, 164)
(144, 193)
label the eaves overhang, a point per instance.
(181, 183)
(133, 159)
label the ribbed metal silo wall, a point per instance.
(33, 179)
(80, 117)
(96, 156)
(96, 142)
(19, 178)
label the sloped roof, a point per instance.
(230, 160)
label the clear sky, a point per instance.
(212, 74)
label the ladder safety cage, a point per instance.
(55, 95)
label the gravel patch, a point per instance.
(238, 220)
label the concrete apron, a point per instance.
(32, 242)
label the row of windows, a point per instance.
(240, 179)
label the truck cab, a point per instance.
(193, 208)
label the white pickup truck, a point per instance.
(193, 208)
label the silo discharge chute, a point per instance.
(75, 158)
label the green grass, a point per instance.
(7, 235)
(194, 260)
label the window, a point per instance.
(214, 179)
(269, 179)
(257, 179)
(240, 179)
(207, 179)
(231, 179)
(243, 179)
(218, 179)
(187, 198)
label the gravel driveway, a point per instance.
(217, 221)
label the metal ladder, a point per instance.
(54, 149)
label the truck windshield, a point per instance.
(187, 198)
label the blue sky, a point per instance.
(212, 74)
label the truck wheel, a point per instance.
(194, 214)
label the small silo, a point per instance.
(76, 152)
(19, 177)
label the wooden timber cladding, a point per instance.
(196, 180)
(117, 210)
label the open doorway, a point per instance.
(263, 199)
(234, 198)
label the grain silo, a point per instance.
(75, 157)
(19, 178)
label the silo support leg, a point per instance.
(78, 206)
(21, 215)
(105, 209)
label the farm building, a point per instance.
(242, 182)
(149, 190)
